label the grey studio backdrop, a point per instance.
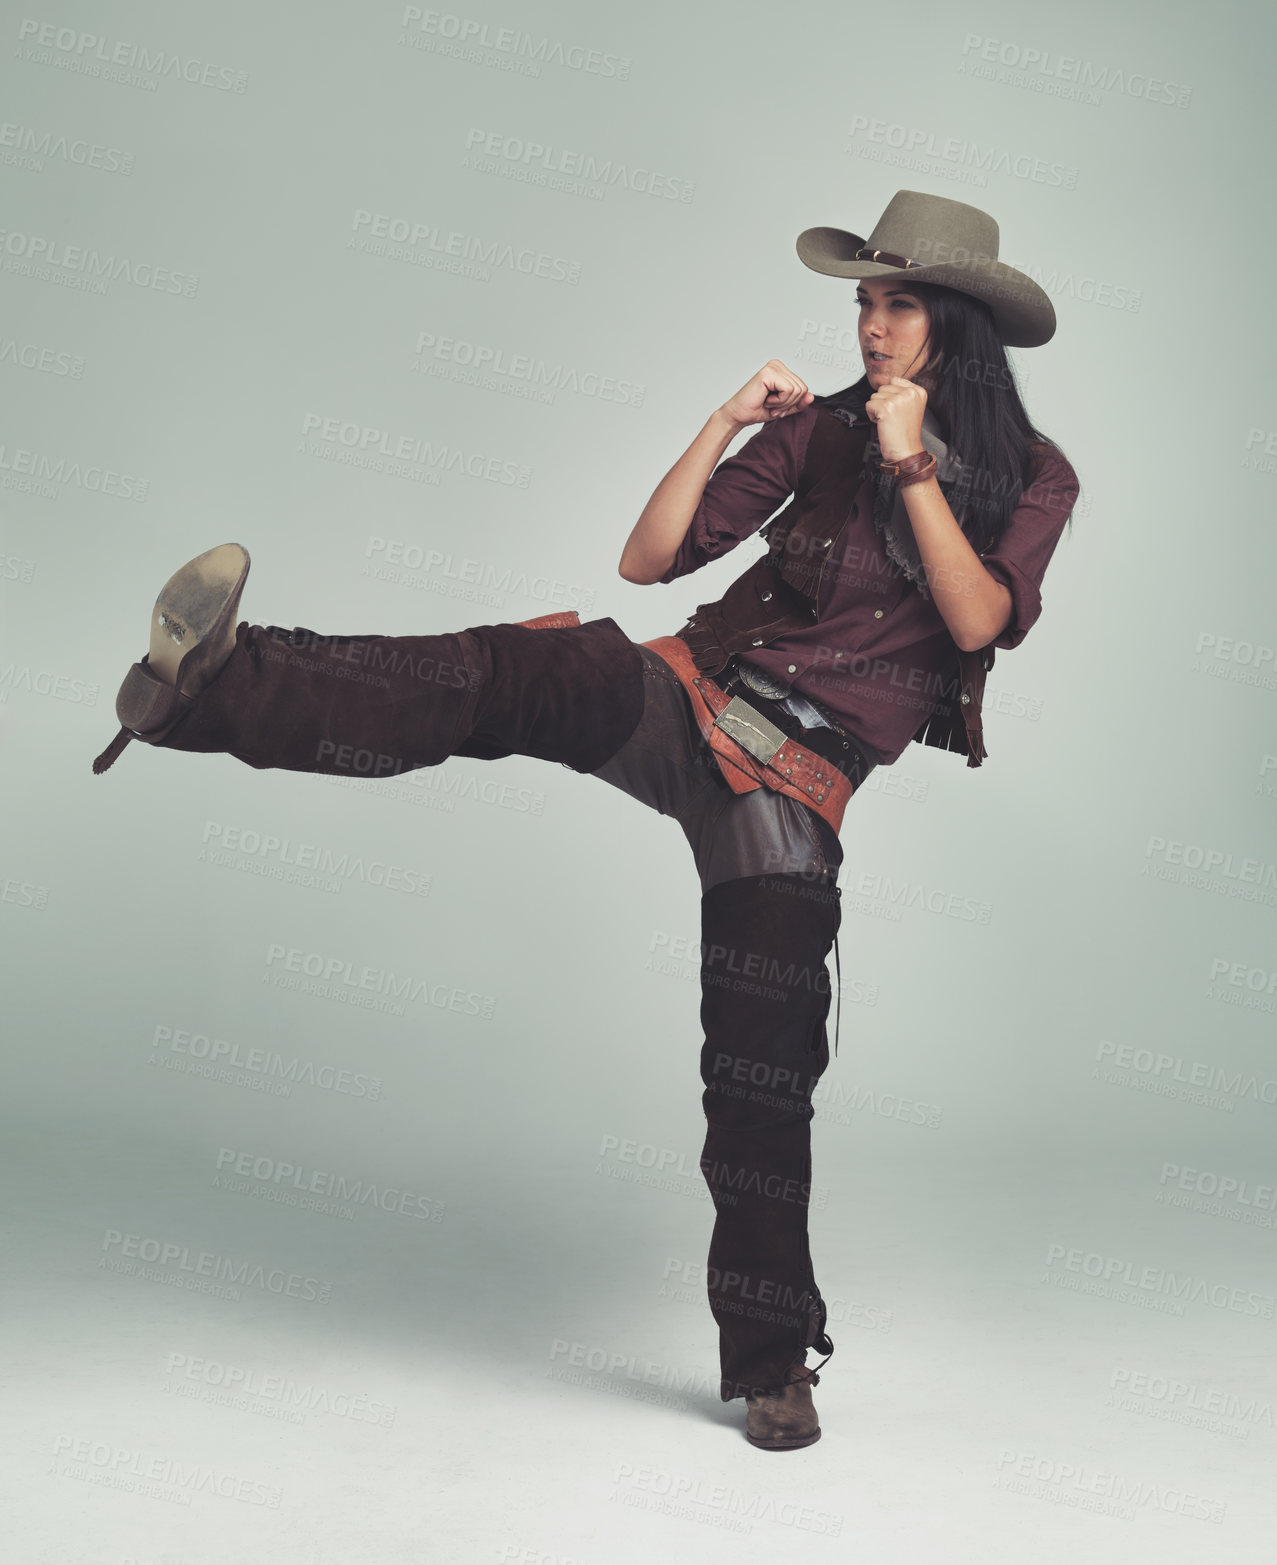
(354, 1202)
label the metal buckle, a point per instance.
(751, 730)
(761, 682)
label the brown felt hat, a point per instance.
(931, 239)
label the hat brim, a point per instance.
(1022, 310)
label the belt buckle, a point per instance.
(751, 730)
(760, 682)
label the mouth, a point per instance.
(875, 358)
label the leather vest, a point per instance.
(777, 594)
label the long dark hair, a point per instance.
(972, 389)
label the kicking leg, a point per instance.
(372, 705)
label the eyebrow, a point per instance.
(909, 291)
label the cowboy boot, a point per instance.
(784, 1420)
(765, 999)
(192, 636)
(373, 706)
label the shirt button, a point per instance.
(877, 613)
(793, 668)
(767, 597)
(757, 641)
(965, 699)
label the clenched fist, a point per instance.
(773, 393)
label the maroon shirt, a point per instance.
(880, 653)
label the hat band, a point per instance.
(865, 254)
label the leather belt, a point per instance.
(750, 749)
(851, 756)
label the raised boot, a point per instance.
(784, 1420)
(192, 637)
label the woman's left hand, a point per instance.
(897, 408)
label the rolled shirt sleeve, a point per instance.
(743, 491)
(1022, 554)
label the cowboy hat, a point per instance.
(931, 239)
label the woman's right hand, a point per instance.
(773, 393)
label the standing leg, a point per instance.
(769, 914)
(766, 997)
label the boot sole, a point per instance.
(783, 1445)
(186, 648)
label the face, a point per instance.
(893, 322)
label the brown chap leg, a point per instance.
(374, 706)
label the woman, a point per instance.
(924, 511)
